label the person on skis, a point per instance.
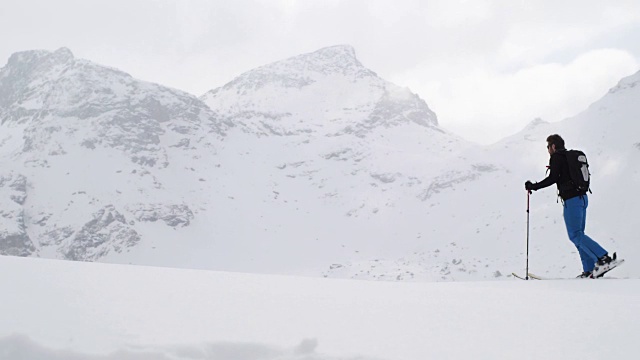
(595, 259)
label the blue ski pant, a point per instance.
(575, 217)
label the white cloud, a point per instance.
(484, 105)
(542, 31)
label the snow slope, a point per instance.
(477, 224)
(71, 310)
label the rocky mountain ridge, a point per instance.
(327, 92)
(63, 117)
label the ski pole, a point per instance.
(527, 273)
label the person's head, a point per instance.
(555, 143)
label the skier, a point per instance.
(595, 259)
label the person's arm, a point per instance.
(554, 174)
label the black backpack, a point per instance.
(578, 170)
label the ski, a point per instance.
(538, 277)
(519, 277)
(612, 265)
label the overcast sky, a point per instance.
(487, 68)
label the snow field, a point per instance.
(95, 311)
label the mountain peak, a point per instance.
(327, 90)
(336, 51)
(627, 83)
(62, 55)
(536, 122)
(300, 71)
(338, 59)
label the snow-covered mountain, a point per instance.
(609, 133)
(298, 163)
(311, 165)
(346, 147)
(486, 216)
(325, 93)
(88, 152)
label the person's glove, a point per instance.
(528, 186)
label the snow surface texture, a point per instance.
(312, 165)
(55, 310)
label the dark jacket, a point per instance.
(559, 174)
